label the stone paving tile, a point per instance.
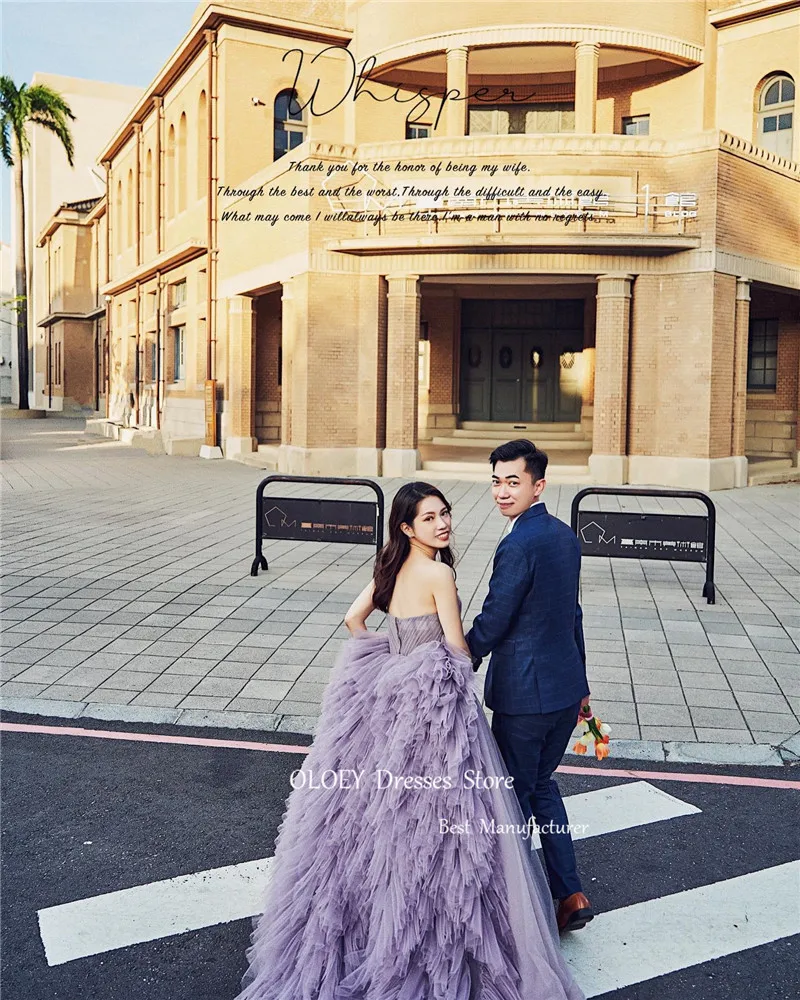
(220, 687)
(305, 708)
(153, 699)
(257, 705)
(189, 665)
(724, 736)
(659, 694)
(704, 681)
(207, 702)
(185, 606)
(41, 674)
(717, 718)
(67, 692)
(112, 696)
(266, 689)
(19, 689)
(709, 698)
(664, 715)
(282, 671)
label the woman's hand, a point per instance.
(361, 608)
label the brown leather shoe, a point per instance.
(574, 912)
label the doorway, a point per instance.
(528, 370)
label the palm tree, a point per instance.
(20, 108)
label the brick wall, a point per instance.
(772, 417)
(267, 366)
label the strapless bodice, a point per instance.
(405, 634)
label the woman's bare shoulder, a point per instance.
(439, 572)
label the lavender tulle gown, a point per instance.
(367, 899)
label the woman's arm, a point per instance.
(361, 608)
(446, 597)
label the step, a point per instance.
(505, 435)
(256, 460)
(561, 443)
(477, 472)
(765, 477)
(529, 428)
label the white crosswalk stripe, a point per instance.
(620, 948)
(189, 902)
(635, 943)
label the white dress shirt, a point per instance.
(511, 520)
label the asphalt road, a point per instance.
(86, 816)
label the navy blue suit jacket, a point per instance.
(531, 621)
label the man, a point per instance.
(531, 623)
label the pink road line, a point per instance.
(192, 741)
(195, 741)
(711, 779)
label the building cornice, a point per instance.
(169, 259)
(193, 44)
(62, 314)
(750, 11)
(666, 46)
(513, 242)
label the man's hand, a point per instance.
(585, 702)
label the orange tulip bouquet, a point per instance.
(596, 732)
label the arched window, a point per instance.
(181, 165)
(202, 146)
(131, 211)
(170, 172)
(149, 194)
(290, 126)
(119, 235)
(776, 115)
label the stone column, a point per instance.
(741, 335)
(287, 357)
(455, 112)
(240, 390)
(608, 463)
(400, 456)
(587, 59)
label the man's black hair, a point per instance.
(535, 458)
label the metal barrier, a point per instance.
(354, 522)
(634, 535)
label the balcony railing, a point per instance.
(395, 214)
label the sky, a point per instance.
(117, 42)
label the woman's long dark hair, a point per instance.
(395, 552)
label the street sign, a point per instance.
(637, 535)
(628, 534)
(308, 519)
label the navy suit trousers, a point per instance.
(532, 747)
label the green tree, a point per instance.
(21, 108)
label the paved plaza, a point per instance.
(127, 595)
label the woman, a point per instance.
(402, 868)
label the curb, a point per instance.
(13, 413)
(742, 754)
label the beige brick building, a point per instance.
(362, 236)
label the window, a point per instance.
(522, 118)
(636, 125)
(776, 115)
(762, 354)
(151, 361)
(179, 353)
(289, 124)
(202, 146)
(149, 193)
(178, 294)
(170, 172)
(417, 131)
(181, 165)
